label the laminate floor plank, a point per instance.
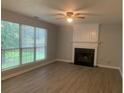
(60, 77)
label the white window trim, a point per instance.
(20, 49)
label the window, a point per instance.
(40, 44)
(10, 44)
(27, 43)
(22, 44)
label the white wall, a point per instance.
(109, 52)
(64, 43)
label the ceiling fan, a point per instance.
(70, 16)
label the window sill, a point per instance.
(22, 65)
(23, 69)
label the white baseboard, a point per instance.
(63, 60)
(112, 67)
(26, 70)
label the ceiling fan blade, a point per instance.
(60, 14)
(57, 14)
(80, 17)
(89, 14)
(59, 18)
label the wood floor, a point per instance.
(60, 77)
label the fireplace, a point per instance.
(84, 56)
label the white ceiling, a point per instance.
(106, 11)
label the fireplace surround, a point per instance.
(84, 56)
(85, 45)
(86, 36)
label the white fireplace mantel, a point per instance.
(87, 46)
(85, 36)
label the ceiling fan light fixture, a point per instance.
(69, 20)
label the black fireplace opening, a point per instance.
(84, 57)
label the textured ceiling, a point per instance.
(105, 11)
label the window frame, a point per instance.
(46, 34)
(3, 69)
(20, 46)
(21, 25)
